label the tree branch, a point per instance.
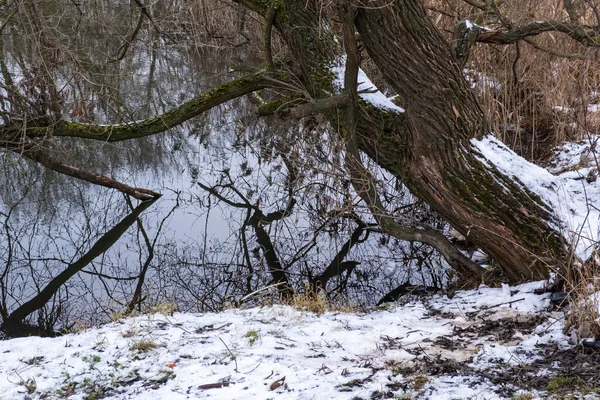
(287, 109)
(337, 266)
(151, 126)
(585, 34)
(35, 153)
(122, 51)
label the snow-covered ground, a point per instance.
(481, 344)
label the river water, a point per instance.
(199, 263)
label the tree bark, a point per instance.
(439, 165)
(429, 146)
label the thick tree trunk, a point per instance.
(429, 147)
(439, 163)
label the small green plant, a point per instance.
(143, 345)
(95, 395)
(229, 355)
(560, 382)
(30, 385)
(117, 365)
(92, 360)
(67, 389)
(92, 390)
(252, 336)
(165, 375)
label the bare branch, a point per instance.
(36, 154)
(122, 51)
(585, 34)
(466, 34)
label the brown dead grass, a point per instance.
(536, 94)
(318, 303)
(583, 285)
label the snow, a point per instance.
(470, 25)
(247, 353)
(366, 89)
(570, 197)
(592, 108)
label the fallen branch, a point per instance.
(501, 304)
(217, 385)
(35, 153)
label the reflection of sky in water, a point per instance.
(61, 217)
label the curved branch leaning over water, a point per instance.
(26, 140)
(151, 126)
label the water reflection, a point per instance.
(192, 248)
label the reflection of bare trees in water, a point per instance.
(299, 226)
(291, 231)
(288, 218)
(34, 283)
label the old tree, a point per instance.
(428, 146)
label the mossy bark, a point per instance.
(174, 117)
(429, 146)
(440, 165)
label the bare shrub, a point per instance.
(538, 92)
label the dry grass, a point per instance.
(522, 86)
(583, 285)
(318, 303)
(214, 23)
(143, 346)
(165, 308)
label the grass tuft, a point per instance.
(143, 345)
